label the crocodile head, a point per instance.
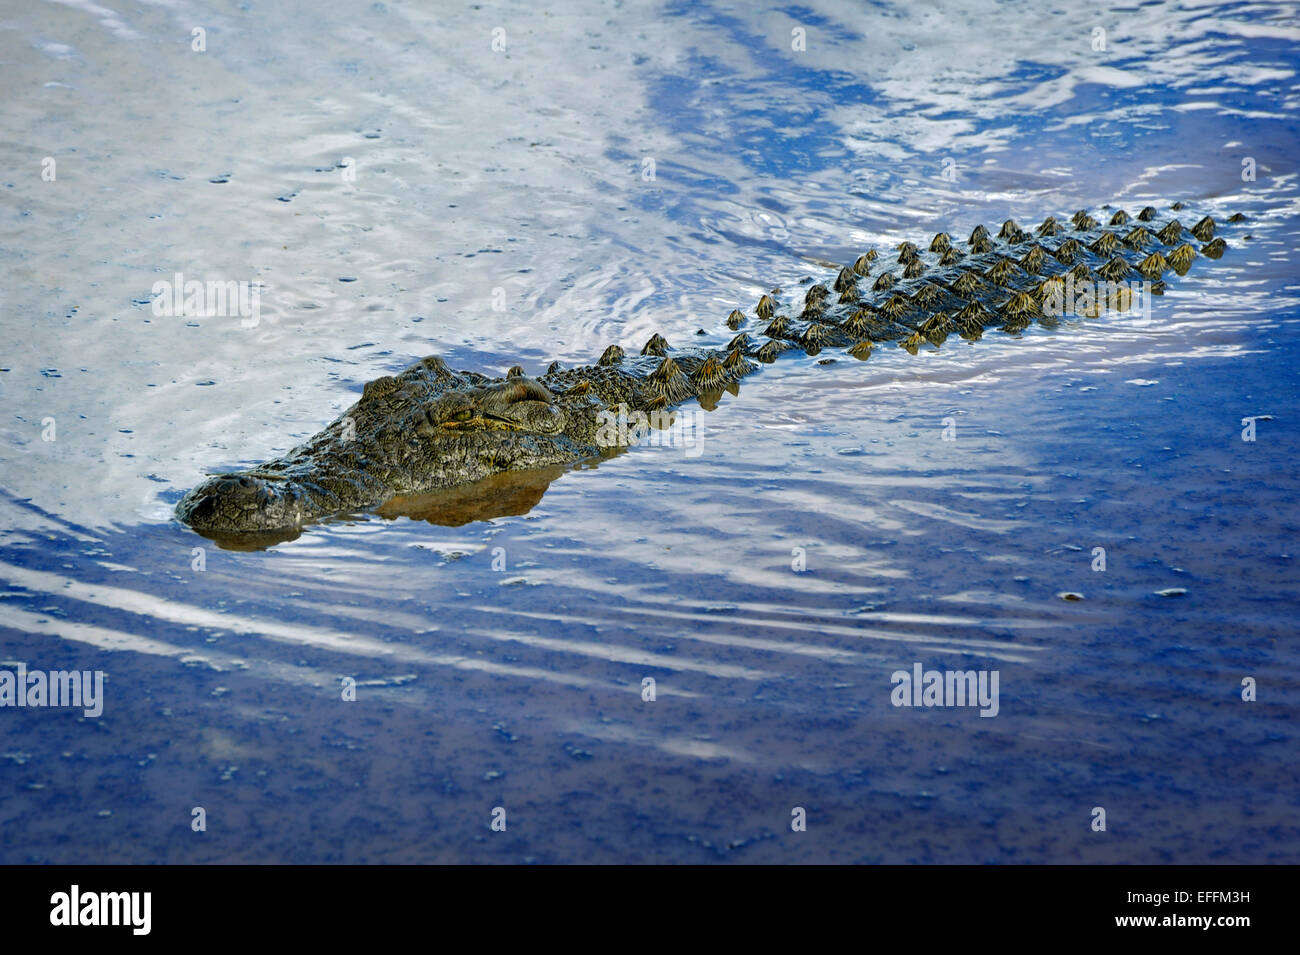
(402, 438)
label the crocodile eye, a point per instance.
(462, 415)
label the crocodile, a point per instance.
(429, 428)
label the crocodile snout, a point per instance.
(217, 499)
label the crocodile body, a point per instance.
(430, 428)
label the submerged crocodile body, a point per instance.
(430, 428)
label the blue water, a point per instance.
(499, 663)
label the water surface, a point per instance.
(401, 188)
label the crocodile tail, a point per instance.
(1009, 280)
